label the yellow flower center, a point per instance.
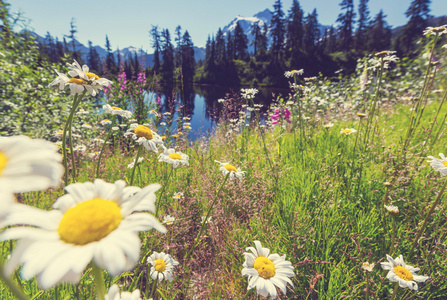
(403, 273)
(175, 156)
(143, 131)
(265, 267)
(445, 163)
(346, 130)
(3, 161)
(77, 81)
(90, 75)
(230, 168)
(116, 108)
(160, 265)
(89, 221)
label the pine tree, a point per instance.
(50, 48)
(294, 33)
(277, 31)
(346, 21)
(73, 39)
(93, 58)
(362, 27)
(311, 31)
(110, 59)
(255, 32)
(188, 61)
(379, 34)
(155, 35)
(178, 48)
(167, 54)
(418, 12)
(330, 40)
(240, 43)
(230, 47)
(220, 48)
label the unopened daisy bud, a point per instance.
(361, 115)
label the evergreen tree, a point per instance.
(277, 31)
(73, 39)
(167, 54)
(256, 33)
(311, 31)
(220, 48)
(155, 35)
(330, 40)
(362, 28)
(263, 43)
(379, 34)
(188, 61)
(240, 43)
(346, 21)
(418, 12)
(93, 58)
(50, 48)
(231, 52)
(59, 49)
(110, 59)
(178, 48)
(294, 33)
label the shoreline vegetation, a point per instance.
(336, 190)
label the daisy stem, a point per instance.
(396, 286)
(135, 164)
(432, 208)
(64, 138)
(154, 287)
(99, 282)
(104, 145)
(13, 288)
(162, 192)
(196, 240)
(394, 235)
(367, 287)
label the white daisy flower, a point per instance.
(348, 131)
(113, 110)
(367, 267)
(96, 222)
(60, 81)
(265, 271)
(440, 30)
(248, 93)
(115, 128)
(174, 158)
(7, 199)
(292, 73)
(90, 81)
(439, 164)
(162, 266)
(168, 220)
(178, 196)
(221, 100)
(105, 122)
(132, 164)
(79, 148)
(82, 112)
(114, 294)
(94, 155)
(328, 125)
(186, 118)
(402, 273)
(144, 135)
(98, 141)
(234, 172)
(86, 126)
(208, 220)
(29, 165)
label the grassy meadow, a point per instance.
(319, 168)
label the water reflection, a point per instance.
(200, 103)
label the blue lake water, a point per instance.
(202, 106)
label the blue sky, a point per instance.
(127, 22)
